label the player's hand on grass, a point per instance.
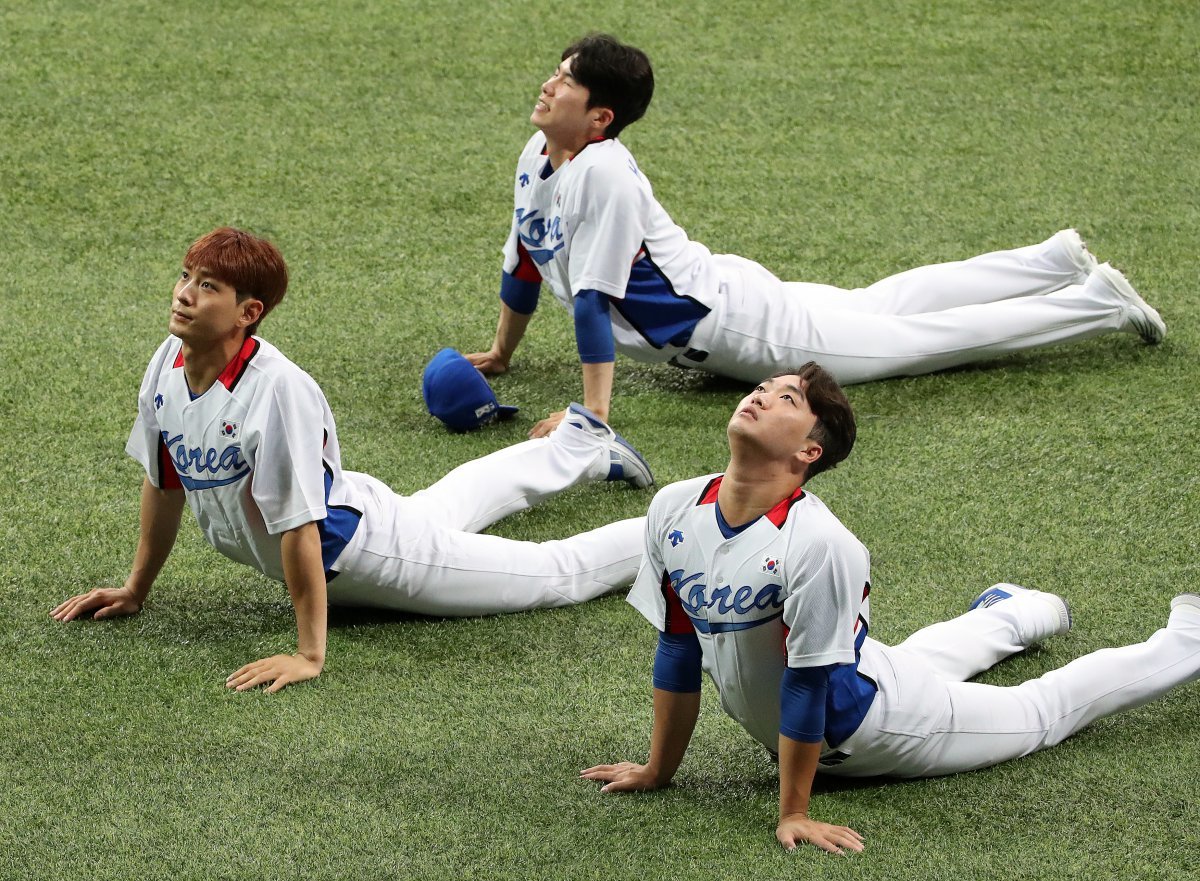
(106, 602)
(488, 363)
(548, 424)
(796, 829)
(623, 777)
(274, 672)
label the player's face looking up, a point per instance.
(776, 420)
(206, 309)
(562, 111)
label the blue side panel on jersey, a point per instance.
(653, 308)
(336, 529)
(850, 696)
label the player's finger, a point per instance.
(106, 611)
(76, 606)
(256, 681)
(597, 771)
(279, 683)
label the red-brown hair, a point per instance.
(253, 266)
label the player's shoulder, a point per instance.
(534, 147)
(681, 495)
(820, 526)
(608, 162)
(167, 351)
(269, 367)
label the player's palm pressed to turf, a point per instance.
(795, 829)
(623, 777)
(488, 363)
(105, 602)
(274, 672)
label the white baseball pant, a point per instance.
(926, 721)
(926, 319)
(420, 553)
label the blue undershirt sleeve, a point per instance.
(677, 662)
(519, 295)
(802, 696)
(593, 328)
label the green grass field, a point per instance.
(373, 142)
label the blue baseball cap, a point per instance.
(456, 393)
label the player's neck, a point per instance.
(204, 361)
(561, 148)
(560, 154)
(750, 489)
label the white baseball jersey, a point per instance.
(790, 589)
(594, 224)
(257, 454)
(249, 453)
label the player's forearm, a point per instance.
(509, 332)
(158, 518)
(597, 388)
(304, 573)
(797, 768)
(675, 715)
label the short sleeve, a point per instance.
(284, 450)
(823, 605)
(646, 595)
(609, 230)
(145, 444)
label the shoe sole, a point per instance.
(1142, 316)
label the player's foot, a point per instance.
(625, 463)
(1185, 611)
(998, 593)
(1074, 245)
(1141, 316)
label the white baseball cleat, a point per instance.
(625, 463)
(1074, 245)
(998, 593)
(1141, 316)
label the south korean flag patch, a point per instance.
(229, 429)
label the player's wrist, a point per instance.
(137, 593)
(313, 657)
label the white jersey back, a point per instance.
(594, 224)
(257, 453)
(788, 590)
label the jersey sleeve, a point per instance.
(609, 230)
(827, 577)
(284, 449)
(646, 595)
(145, 444)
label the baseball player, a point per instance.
(228, 423)
(749, 577)
(586, 222)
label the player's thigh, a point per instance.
(988, 724)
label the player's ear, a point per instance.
(602, 117)
(805, 456)
(252, 310)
